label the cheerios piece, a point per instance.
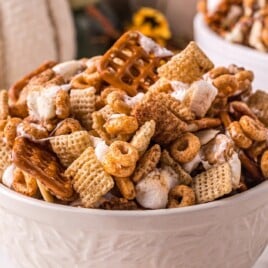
(226, 84)
(185, 148)
(122, 124)
(121, 158)
(254, 129)
(183, 192)
(238, 136)
(67, 126)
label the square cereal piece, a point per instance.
(213, 183)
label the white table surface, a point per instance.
(5, 261)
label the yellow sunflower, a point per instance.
(152, 23)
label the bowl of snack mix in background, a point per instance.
(235, 32)
(137, 158)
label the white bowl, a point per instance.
(222, 52)
(231, 232)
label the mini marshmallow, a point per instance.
(199, 97)
(152, 192)
(100, 147)
(206, 135)
(235, 165)
(68, 69)
(131, 101)
(193, 164)
(8, 175)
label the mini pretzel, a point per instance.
(126, 187)
(251, 167)
(242, 108)
(116, 100)
(225, 118)
(10, 130)
(44, 192)
(238, 136)
(226, 84)
(120, 160)
(185, 148)
(62, 103)
(121, 125)
(202, 123)
(67, 126)
(256, 149)
(24, 183)
(183, 192)
(254, 129)
(264, 164)
(3, 104)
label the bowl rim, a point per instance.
(225, 202)
(199, 20)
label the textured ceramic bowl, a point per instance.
(231, 232)
(222, 52)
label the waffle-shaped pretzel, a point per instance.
(127, 65)
(42, 165)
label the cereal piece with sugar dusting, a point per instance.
(168, 125)
(187, 66)
(184, 177)
(89, 178)
(143, 136)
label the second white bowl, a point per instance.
(222, 52)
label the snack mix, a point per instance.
(238, 21)
(137, 128)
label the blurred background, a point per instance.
(99, 23)
(34, 31)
